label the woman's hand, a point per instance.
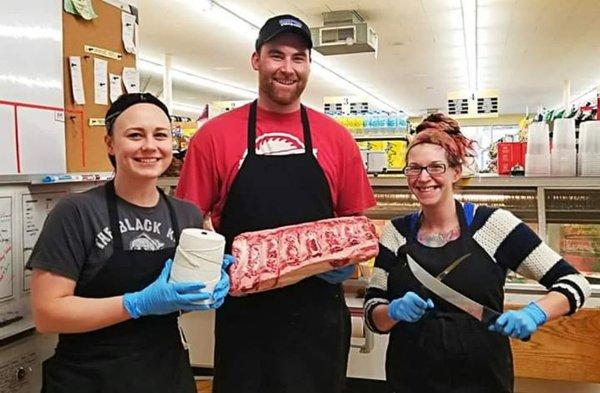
(522, 323)
(164, 297)
(409, 308)
(222, 288)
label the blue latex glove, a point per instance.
(162, 297)
(520, 324)
(337, 276)
(222, 288)
(409, 308)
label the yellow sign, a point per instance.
(96, 122)
(377, 145)
(102, 52)
(396, 150)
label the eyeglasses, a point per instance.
(433, 169)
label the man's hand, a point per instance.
(337, 276)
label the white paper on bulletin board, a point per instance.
(100, 81)
(35, 209)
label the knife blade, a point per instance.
(454, 264)
(478, 311)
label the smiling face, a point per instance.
(141, 142)
(283, 66)
(431, 190)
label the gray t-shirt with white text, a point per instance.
(76, 238)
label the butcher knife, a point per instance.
(480, 312)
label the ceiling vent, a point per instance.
(343, 32)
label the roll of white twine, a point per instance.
(199, 257)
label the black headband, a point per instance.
(127, 100)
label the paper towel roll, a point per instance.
(358, 330)
(199, 257)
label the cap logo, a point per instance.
(290, 22)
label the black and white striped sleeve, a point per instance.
(515, 246)
(377, 291)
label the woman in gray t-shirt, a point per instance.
(101, 269)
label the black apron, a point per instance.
(135, 356)
(448, 350)
(293, 339)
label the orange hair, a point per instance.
(441, 130)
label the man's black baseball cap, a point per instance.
(281, 24)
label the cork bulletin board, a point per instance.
(85, 147)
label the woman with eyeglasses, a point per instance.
(433, 345)
(101, 269)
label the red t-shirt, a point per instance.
(217, 150)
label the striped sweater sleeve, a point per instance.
(377, 291)
(513, 245)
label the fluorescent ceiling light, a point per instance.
(186, 76)
(469, 17)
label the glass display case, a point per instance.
(573, 227)
(565, 212)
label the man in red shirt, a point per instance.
(267, 164)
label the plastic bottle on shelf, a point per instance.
(347, 121)
(371, 122)
(381, 120)
(402, 124)
(360, 123)
(392, 123)
(355, 121)
(384, 122)
(368, 123)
